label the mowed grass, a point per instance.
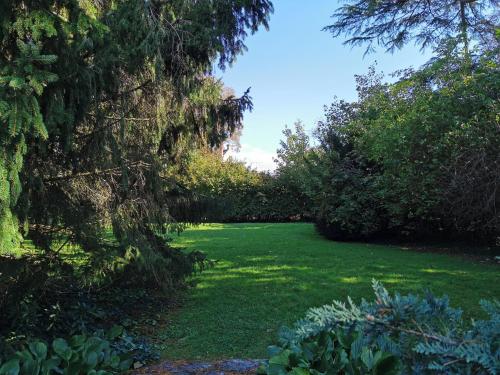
(268, 275)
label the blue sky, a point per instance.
(294, 69)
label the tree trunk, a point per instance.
(463, 31)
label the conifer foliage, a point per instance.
(97, 100)
(394, 334)
(391, 24)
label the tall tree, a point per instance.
(393, 23)
(97, 99)
(293, 178)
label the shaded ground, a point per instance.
(268, 275)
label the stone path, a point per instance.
(224, 367)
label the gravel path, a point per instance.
(224, 367)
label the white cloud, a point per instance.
(254, 157)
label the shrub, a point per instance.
(415, 159)
(393, 334)
(350, 188)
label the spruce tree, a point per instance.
(98, 99)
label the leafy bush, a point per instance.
(79, 355)
(393, 334)
(349, 188)
(414, 159)
(45, 299)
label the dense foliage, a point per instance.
(393, 24)
(228, 187)
(417, 157)
(113, 133)
(413, 159)
(392, 335)
(43, 300)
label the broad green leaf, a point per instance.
(77, 340)
(39, 349)
(30, 367)
(91, 359)
(24, 355)
(273, 350)
(50, 365)
(61, 348)
(277, 369)
(125, 365)
(10, 367)
(114, 361)
(114, 332)
(299, 371)
(262, 369)
(16, 82)
(281, 359)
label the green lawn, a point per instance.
(267, 275)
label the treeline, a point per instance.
(414, 159)
(231, 192)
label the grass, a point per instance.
(267, 275)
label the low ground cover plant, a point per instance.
(44, 299)
(96, 355)
(394, 334)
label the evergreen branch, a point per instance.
(109, 171)
(130, 91)
(129, 118)
(372, 320)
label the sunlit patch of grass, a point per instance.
(268, 275)
(68, 252)
(441, 271)
(349, 280)
(72, 254)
